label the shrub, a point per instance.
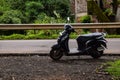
(32, 36)
(12, 17)
(54, 36)
(43, 18)
(109, 12)
(14, 36)
(33, 8)
(85, 19)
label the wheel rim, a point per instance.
(56, 54)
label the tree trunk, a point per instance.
(115, 6)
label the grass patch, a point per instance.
(13, 37)
(43, 35)
(113, 36)
(114, 69)
(27, 37)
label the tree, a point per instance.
(3, 7)
(60, 6)
(16, 4)
(33, 9)
(115, 6)
(12, 17)
(30, 9)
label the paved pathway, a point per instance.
(44, 46)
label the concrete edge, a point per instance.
(23, 54)
(43, 54)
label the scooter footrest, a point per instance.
(74, 50)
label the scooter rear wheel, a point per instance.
(96, 54)
(56, 54)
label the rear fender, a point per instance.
(92, 42)
(103, 43)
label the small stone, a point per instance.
(83, 73)
(1, 78)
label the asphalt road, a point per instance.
(44, 46)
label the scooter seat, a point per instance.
(81, 40)
(91, 35)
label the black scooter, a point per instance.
(92, 44)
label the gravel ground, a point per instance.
(43, 68)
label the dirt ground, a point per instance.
(43, 68)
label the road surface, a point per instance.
(44, 46)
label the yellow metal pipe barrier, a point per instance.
(58, 26)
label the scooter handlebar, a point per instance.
(104, 34)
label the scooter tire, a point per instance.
(55, 54)
(96, 54)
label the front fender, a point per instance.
(55, 46)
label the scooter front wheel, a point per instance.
(56, 54)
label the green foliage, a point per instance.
(31, 36)
(13, 37)
(73, 36)
(1, 10)
(28, 32)
(4, 4)
(60, 6)
(63, 8)
(44, 34)
(16, 4)
(55, 10)
(114, 69)
(3, 7)
(34, 34)
(109, 12)
(113, 36)
(85, 19)
(12, 17)
(33, 9)
(43, 18)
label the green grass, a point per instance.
(114, 69)
(113, 36)
(13, 37)
(43, 36)
(27, 37)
